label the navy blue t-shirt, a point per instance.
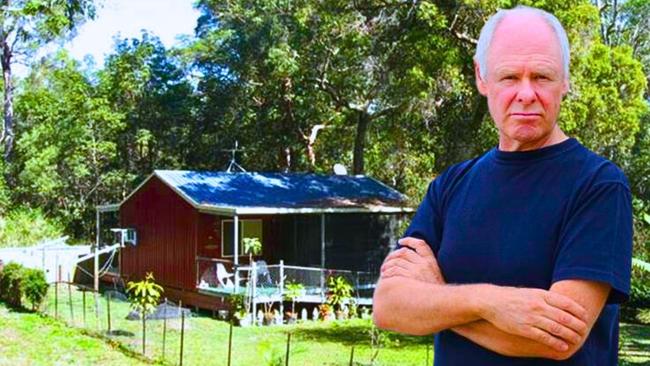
(530, 219)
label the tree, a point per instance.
(143, 81)
(66, 151)
(27, 25)
(364, 84)
(144, 297)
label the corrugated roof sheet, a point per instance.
(282, 190)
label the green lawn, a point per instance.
(206, 339)
(29, 339)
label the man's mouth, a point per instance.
(525, 114)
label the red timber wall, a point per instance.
(167, 229)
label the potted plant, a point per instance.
(325, 311)
(252, 246)
(269, 315)
(293, 290)
(339, 291)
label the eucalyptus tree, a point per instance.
(146, 83)
(26, 26)
(66, 151)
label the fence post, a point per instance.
(144, 333)
(230, 343)
(182, 336)
(286, 360)
(108, 311)
(164, 330)
(253, 282)
(56, 299)
(83, 301)
(70, 300)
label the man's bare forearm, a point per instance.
(591, 295)
(488, 336)
(414, 307)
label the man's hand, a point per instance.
(543, 316)
(419, 263)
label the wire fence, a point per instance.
(176, 336)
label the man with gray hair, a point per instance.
(521, 255)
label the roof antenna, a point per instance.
(233, 162)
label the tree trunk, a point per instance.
(8, 131)
(363, 119)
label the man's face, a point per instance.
(525, 83)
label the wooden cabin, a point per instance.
(185, 223)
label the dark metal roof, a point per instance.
(281, 190)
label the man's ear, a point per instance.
(480, 83)
(566, 86)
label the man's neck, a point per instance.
(555, 137)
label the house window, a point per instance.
(247, 229)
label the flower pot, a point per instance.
(245, 321)
(269, 319)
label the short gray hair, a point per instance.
(487, 33)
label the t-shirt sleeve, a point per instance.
(427, 221)
(596, 242)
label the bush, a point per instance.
(10, 284)
(640, 291)
(17, 282)
(34, 287)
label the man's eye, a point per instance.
(542, 77)
(508, 77)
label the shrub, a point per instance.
(640, 290)
(10, 284)
(34, 286)
(144, 295)
(339, 291)
(17, 282)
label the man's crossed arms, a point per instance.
(412, 297)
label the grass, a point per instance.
(31, 339)
(206, 340)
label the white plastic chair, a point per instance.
(223, 276)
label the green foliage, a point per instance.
(10, 284)
(292, 291)
(34, 287)
(17, 282)
(67, 144)
(144, 295)
(27, 26)
(237, 305)
(269, 353)
(339, 291)
(24, 226)
(385, 88)
(252, 246)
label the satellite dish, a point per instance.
(339, 169)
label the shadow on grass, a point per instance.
(354, 333)
(120, 333)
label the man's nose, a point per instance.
(526, 93)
